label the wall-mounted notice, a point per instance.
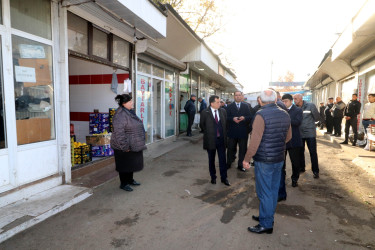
(25, 74)
(31, 51)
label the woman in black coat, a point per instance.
(127, 141)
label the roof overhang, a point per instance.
(354, 46)
(141, 16)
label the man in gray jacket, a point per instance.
(308, 133)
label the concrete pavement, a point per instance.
(177, 208)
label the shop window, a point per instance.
(33, 87)
(33, 17)
(169, 75)
(144, 104)
(144, 67)
(170, 113)
(77, 34)
(120, 51)
(2, 110)
(100, 43)
(156, 71)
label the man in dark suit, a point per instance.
(293, 146)
(213, 122)
(190, 111)
(329, 117)
(238, 118)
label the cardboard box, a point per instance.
(33, 130)
(42, 71)
(98, 139)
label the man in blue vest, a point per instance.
(271, 130)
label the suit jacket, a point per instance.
(296, 116)
(242, 129)
(207, 124)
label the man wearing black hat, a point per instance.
(351, 112)
(329, 117)
(190, 111)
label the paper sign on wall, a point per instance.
(25, 74)
(31, 51)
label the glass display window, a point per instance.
(169, 75)
(33, 17)
(143, 102)
(99, 43)
(120, 51)
(34, 90)
(157, 71)
(144, 67)
(170, 109)
(77, 34)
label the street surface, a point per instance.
(176, 207)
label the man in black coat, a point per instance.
(322, 108)
(213, 122)
(238, 118)
(338, 114)
(351, 112)
(293, 146)
(328, 115)
(190, 111)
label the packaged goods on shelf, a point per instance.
(101, 150)
(98, 123)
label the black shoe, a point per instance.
(213, 181)
(302, 170)
(327, 133)
(294, 184)
(316, 175)
(344, 142)
(126, 188)
(337, 135)
(281, 199)
(259, 229)
(241, 169)
(135, 183)
(225, 182)
(354, 144)
(229, 166)
(256, 218)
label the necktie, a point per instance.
(217, 122)
(238, 105)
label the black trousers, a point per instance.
(311, 145)
(352, 122)
(190, 123)
(232, 149)
(337, 125)
(329, 124)
(220, 148)
(126, 178)
(294, 155)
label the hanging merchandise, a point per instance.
(127, 86)
(114, 83)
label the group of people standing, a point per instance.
(277, 127)
(332, 114)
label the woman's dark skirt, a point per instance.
(127, 162)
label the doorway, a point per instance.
(157, 86)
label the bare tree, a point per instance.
(203, 17)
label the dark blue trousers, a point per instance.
(220, 148)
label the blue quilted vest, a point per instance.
(272, 145)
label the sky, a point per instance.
(293, 34)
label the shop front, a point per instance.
(28, 93)
(156, 98)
